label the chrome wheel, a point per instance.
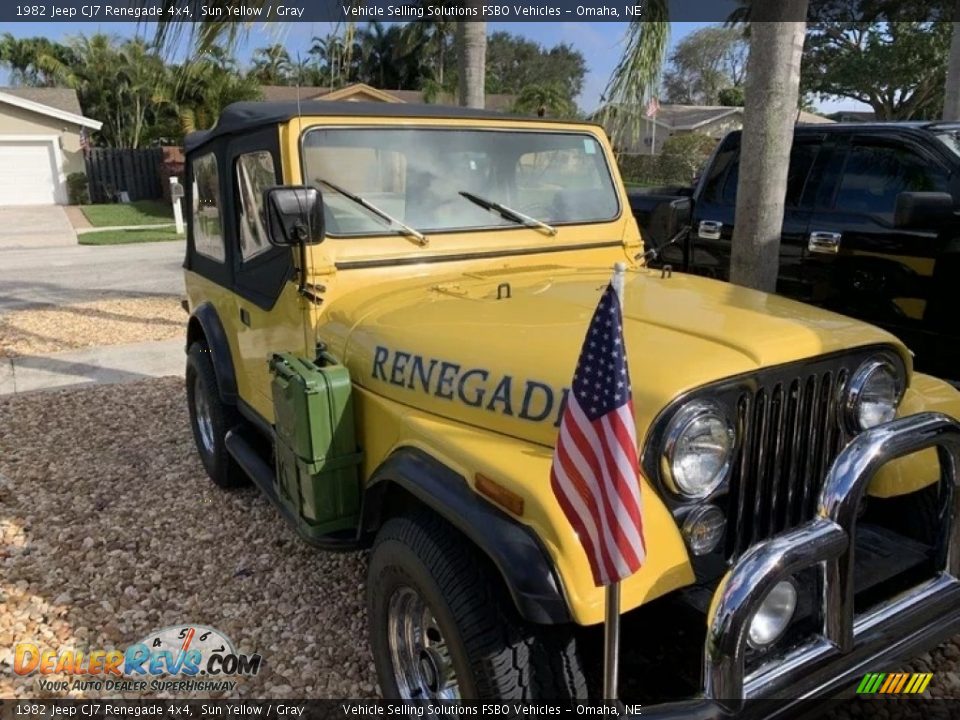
(201, 408)
(422, 666)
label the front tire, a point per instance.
(211, 418)
(443, 626)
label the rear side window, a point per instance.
(722, 182)
(207, 225)
(875, 174)
(255, 173)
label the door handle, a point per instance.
(710, 229)
(245, 316)
(822, 241)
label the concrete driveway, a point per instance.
(67, 275)
(35, 226)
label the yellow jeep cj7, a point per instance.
(387, 303)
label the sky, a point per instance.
(601, 44)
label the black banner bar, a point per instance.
(890, 708)
(259, 11)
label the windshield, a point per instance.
(417, 175)
(951, 139)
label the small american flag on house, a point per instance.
(653, 107)
(84, 139)
(595, 472)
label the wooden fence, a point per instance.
(111, 171)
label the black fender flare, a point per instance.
(514, 549)
(205, 316)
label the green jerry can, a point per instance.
(316, 450)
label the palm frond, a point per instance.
(636, 77)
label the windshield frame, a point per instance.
(387, 231)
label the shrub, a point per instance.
(682, 156)
(679, 160)
(77, 190)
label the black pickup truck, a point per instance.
(871, 228)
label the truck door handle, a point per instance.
(825, 242)
(710, 229)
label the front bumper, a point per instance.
(847, 646)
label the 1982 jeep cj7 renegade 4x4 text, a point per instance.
(387, 303)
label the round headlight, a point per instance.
(773, 615)
(698, 450)
(873, 395)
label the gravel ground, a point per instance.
(110, 529)
(114, 321)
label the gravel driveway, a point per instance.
(42, 330)
(109, 529)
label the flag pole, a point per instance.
(611, 628)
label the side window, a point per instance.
(875, 174)
(713, 187)
(722, 188)
(802, 157)
(207, 227)
(255, 173)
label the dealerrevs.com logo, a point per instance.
(201, 659)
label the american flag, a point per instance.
(653, 107)
(595, 469)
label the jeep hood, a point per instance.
(497, 349)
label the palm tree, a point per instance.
(325, 55)
(27, 59)
(433, 37)
(377, 43)
(197, 92)
(772, 90)
(951, 102)
(543, 100)
(636, 77)
(272, 65)
(114, 83)
(472, 58)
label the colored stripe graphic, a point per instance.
(894, 683)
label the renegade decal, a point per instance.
(529, 400)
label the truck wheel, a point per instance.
(443, 626)
(210, 418)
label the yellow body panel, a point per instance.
(490, 414)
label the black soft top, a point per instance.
(242, 116)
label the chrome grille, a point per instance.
(789, 434)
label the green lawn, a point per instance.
(122, 237)
(140, 212)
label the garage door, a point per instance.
(27, 172)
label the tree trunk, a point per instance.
(951, 102)
(472, 59)
(773, 80)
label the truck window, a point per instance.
(721, 187)
(207, 227)
(255, 173)
(875, 174)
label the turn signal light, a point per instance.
(502, 496)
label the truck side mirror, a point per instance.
(922, 210)
(294, 215)
(669, 219)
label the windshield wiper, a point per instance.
(509, 213)
(405, 229)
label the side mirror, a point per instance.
(294, 215)
(669, 219)
(922, 210)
